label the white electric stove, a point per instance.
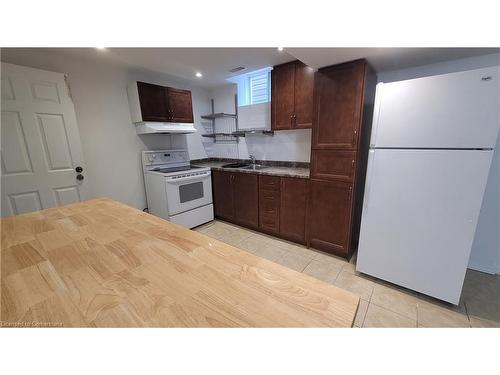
(176, 190)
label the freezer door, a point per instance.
(420, 212)
(456, 110)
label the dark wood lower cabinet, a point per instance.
(245, 188)
(272, 204)
(223, 195)
(293, 208)
(329, 218)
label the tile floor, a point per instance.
(382, 304)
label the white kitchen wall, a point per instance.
(284, 145)
(110, 144)
(485, 255)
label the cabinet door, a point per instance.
(246, 199)
(282, 96)
(330, 216)
(180, 105)
(153, 101)
(294, 193)
(333, 164)
(338, 94)
(223, 194)
(303, 98)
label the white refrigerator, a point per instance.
(430, 152)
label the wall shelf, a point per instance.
(213, 135)
(233, 135)
(240, 133)
(218, 115)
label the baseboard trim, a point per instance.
(483, 268)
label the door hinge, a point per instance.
(68, 86)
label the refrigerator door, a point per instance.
(456, 110)
(419, 217)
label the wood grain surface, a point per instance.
(101, 263)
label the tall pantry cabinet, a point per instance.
(342, 114)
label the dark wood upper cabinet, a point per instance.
(293, 208)
(304, 85)
(338, 105)
(282, 96)
(155, 103)
(291, 96)
(180, 105)
(246, 199)
(330, 206)
(223, 195)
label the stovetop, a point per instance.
(176, 169)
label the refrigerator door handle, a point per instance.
(376, 112)
(366, 200)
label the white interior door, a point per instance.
(40, 142)
(420, 212)
(456, 110)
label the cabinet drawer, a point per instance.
(269, 216)
(333, 165)
(269, 182)
(269, 206)
(269, 195)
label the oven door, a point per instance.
(186, 193)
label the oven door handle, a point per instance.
(181, 180)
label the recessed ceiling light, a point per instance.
(101, 48)
(198, 74)
(280, 49)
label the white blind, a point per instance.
(259, 88)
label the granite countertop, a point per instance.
(285, 169)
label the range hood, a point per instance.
(164, 128)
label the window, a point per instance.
(259, 88)
(253, 87)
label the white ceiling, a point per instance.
(385, 59)
(215, 63)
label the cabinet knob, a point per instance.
(78, 169)
(79, 177)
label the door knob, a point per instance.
(79, 177)
(79, 169)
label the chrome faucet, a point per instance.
(252, 159)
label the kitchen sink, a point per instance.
(236, 165)
(255, 167)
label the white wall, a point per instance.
(110, 144)
(284, 145)
(485, 255)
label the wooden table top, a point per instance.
(100, 263)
